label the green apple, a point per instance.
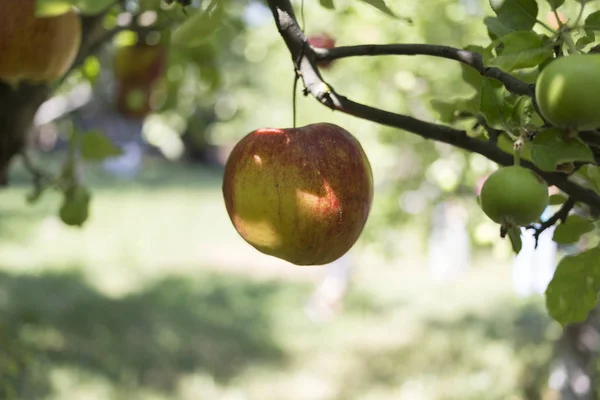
(568, 91)
(514, 196)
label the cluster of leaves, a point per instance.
(522, 45)
(91, 146)
(509, 119)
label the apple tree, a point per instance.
(530, 104)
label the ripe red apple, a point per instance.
(137, 69)
(299, 194)
(140, 63)
(322, 41)
(34, 49)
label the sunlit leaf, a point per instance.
(549, 148)
(96, 147)
(52, 8)
(572, 229)
(493, 106)
(521, 49)
(554, 4)
(516, 15)
(197, 28)
(573, 291)
(557, 199)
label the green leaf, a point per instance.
(52, 8)
(573, 291)
(522, 49)
(91, 69)
(496, 28)
(447, 109)
(492, 105)
(381, 6)
(74, 210)
(592, 22)
(96, 147)
(557, 199)
(469, 74)
(549, 149)
(554, 4)
(584, 41)
(92, 7)
(516, 15)
(522, 110)
(327, 4)
(591, 173)
(571, 230)
(197, 28)
(514, 234)
(506, 144)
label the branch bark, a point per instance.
(560, 215)
(305, 60)
(472, 59)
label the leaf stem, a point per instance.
(580, 12)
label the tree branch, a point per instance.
(304, 58)
(470, 58)
(560, 215)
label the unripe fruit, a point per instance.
(36, 50)
(74, 210)
(299, 194)
(568, 91)
(514, 196)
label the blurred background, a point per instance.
(157, 296)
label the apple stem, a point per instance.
(294, 100)
(517, 148)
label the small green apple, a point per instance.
(514, 196)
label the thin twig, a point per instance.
(560, 215)
(39, 176)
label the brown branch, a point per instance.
(560, 215)
(470, 58)
(305, 59)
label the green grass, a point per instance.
(158, 298)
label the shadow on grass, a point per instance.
(472, 357)
(216, 325)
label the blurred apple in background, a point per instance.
(322, 41)
(137, 69)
